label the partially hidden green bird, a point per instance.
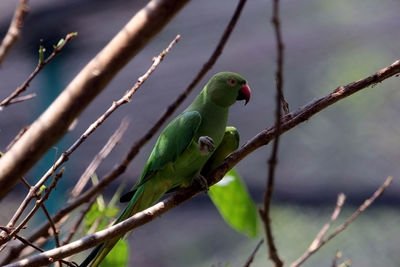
(189, 147)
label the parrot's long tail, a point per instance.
(101, 251)
(91, 256)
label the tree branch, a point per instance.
(263, 138)
(14, 30)
(253, 254)
(78, 221)
(272, 162)
(38, 203)
(54, 122)
(27, 243)
(23, 98)
(111, 143)
(315, 244)
(65, 155)
(40, 65)
(320, 240)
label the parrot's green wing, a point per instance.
(172, 142)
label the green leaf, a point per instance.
(60, 43)
(118, 256)
(235, 205)
(100, 214)
(41, 189)
(95, 216)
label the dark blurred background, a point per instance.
(350, 147)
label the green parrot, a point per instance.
(183, 148)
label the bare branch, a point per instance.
(54, 122)
(38, 203)
(27, 243)
(41, 64)
(17, 137)
(272, 162)
(78, 222)
(14, 30)
(253, 254)
(338, 208)
(53, 227)
(280, 52)
(317, 241)
(320, 240)
(65, 156)
(22, 98)
(108, 147)
(52, 224)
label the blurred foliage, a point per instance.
(99, 217)
(234, 203)
(118, 256)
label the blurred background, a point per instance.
(350, 147)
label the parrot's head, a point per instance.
(225, 88)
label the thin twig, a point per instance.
(52, 224)
(338, 208)
(153, 130)
(280, 48)
(263, 138)
(17, 137)
(78, 222)
(30, 244)
(317, 240)
(38, 203)
(25, 182)
(272, 162)
(53, 227)
(320, 240)
(40, 65)
(22, 98)
(14, 30)
(65, 156)
(253, 254)
(108, 147)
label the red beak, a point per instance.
(244, 93)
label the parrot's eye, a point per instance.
(231, 82)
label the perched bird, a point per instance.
(183, 148)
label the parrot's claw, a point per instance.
(201, 181)
(206, 145)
